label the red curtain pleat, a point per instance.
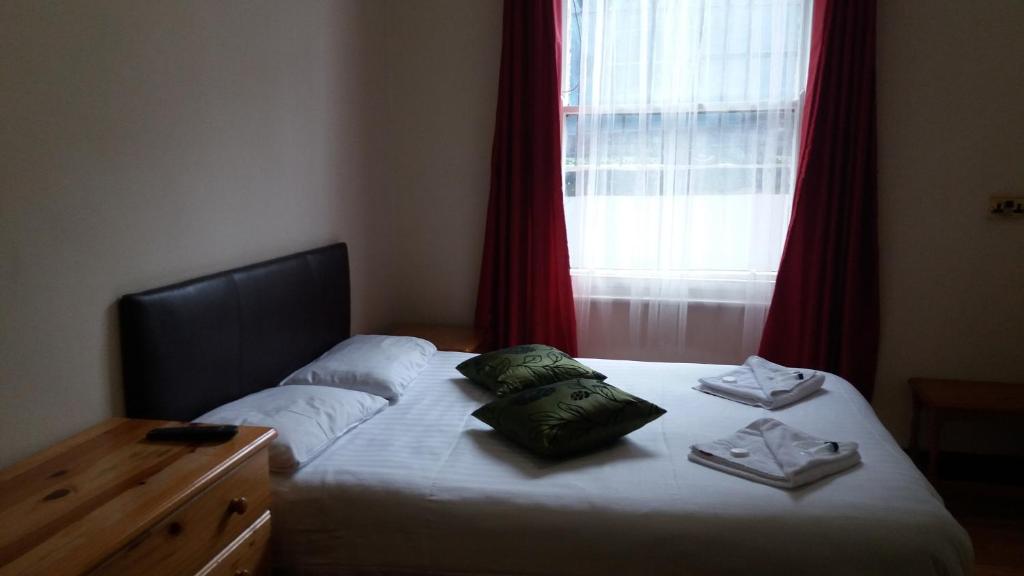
(824, 313)
(525, 292)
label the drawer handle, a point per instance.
(242, 572)
(238, 505)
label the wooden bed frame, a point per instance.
(190, 347)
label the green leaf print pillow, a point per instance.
(510, 370)
(568, 417)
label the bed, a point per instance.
(423, 488)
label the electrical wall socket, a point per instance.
(1006, 206)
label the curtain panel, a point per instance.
(525, 292)
(681, 139)
(824, 313)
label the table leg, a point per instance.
(915, 423)
(934, 429)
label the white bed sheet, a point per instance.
(426, 488)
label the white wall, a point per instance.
(951, 133)
(148, 142)
(443, 58)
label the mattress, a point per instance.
(426, 488)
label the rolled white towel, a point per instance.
(772, 453)
(759, 382)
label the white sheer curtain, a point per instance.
(681, 126)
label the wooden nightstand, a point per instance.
(108, 502)
(449, 338)
(957, 399)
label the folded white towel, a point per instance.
(772, 453)
(759, 382)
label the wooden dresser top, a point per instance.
(74, 503)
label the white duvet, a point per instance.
(424, 487)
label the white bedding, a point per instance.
(424, 487)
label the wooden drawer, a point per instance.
(185, 541)
(249, 555)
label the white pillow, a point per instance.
(381, 365)
(307, 419)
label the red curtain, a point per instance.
(525, 292)
(824, 313)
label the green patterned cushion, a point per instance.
(510, 370)
(567, 417)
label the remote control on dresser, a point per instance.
(193, 433)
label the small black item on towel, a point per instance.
(833, 445)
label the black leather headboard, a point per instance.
(192, 346)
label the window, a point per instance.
(681, 120)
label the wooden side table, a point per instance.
(445, 337)
(958, 399)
